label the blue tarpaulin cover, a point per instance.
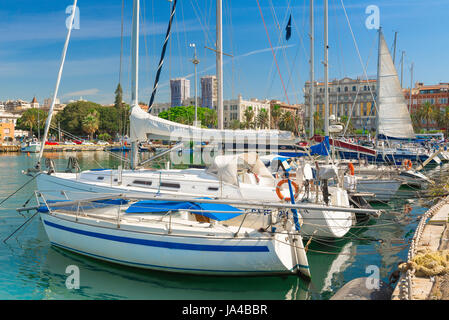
(212, 210)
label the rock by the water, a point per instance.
(358, 290)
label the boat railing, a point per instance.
(244, 204)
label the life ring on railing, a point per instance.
(280, 195)
(351, 168)
(407, 164)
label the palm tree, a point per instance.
(276, 113)
(249, 117)
(416, 122)
(428, 113)
(262, 119)
(443, 119)
(90, 123)
(235, 124)
(287, 122)
(317, 121)
(28, 120)
(350, 126)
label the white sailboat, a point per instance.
(181, 237)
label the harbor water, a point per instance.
(30, 268)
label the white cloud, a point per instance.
(86, 92)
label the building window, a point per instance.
(346, 89)
(354, 88)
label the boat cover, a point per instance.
(219, 212)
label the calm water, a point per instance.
(32, 269)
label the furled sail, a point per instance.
(146, 126)
(393, 118)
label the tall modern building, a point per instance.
(347, 97)
(209, 92)
(180, 91)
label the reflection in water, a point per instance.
(102, 280)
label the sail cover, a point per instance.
(146, 126)
(393, 116)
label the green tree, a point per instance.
(443, 119)
(118, 97)
(73, 114)
(427, 112)
(235, 124)
(287, 121)
(262, 119)
(29, 120)
(347, 123)
(104, 136)
(318, 122)
(90, 124)
(276, 113)
(248, 114)
(186, 115)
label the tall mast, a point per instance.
(58, 81)
(378, 82)
(135, 56)
(312, 71)
(219, 64)
(394, 47)
(411, 86)
(402, 66)
(135, 75)
(326, 70)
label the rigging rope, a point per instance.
(272, 50)
(161, 62)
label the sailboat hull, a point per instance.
(174, 253)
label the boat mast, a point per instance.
(135, 75)
(378, 83)
(219, 64)
(58, 81)
(402, 66)
(411, 86)
(394, 47)
(326, 70)
(312, 71)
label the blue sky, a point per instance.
(32, 35)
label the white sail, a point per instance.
(393, 118)
(146, 126)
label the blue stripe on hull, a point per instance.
(161, 244)
(166, 268)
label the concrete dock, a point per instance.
(432, 234)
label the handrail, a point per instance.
(239, 203)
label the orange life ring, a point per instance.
(280, 195)
(351, 168)
(408, 164)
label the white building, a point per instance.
(180, 91)
(18, 105)
(159, 107)
(235, 109)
